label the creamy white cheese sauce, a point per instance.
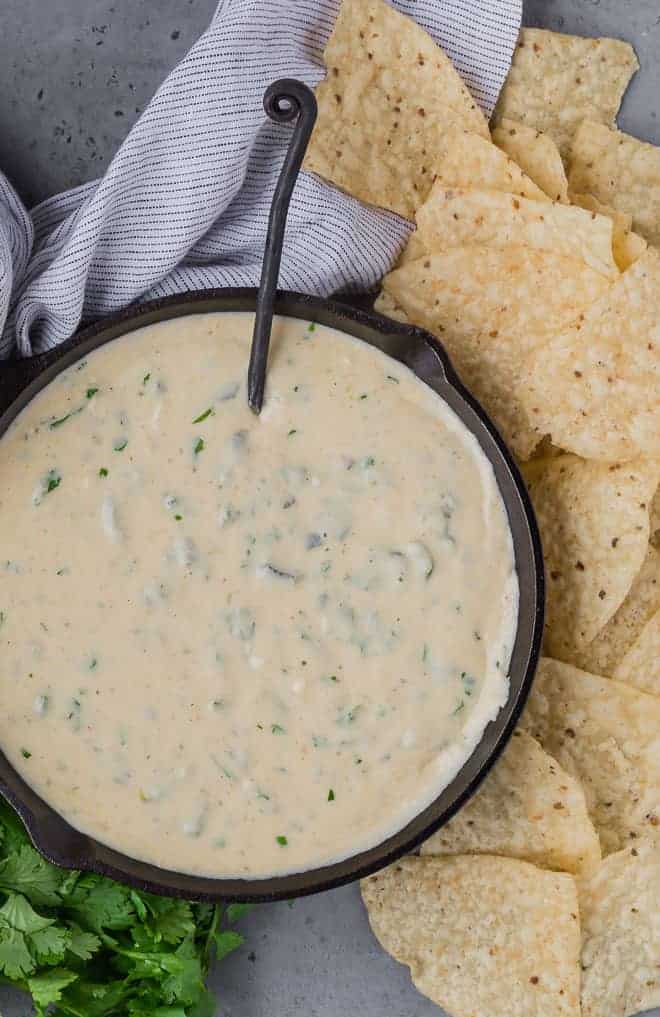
(242, 646)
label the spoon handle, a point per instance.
(284, 101)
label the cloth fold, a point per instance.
(184, 203)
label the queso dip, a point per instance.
(239, 645)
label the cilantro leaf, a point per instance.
(50, 945)
(47, 988)
(17, 913)
(82, 944)
(28, 873)
(168, 920)
(16, 961)
(100, 904)
(95, 999)
(27, 938)
(186, 977)
(226, 941)
(14, 833)
(178, 973)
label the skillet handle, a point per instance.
(16, 375)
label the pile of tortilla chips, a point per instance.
(536, 263)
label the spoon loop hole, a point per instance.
(283, 108)
(285, 99)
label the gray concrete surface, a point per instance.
(74, 76)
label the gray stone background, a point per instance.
(74, 76)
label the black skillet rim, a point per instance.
(69, 848)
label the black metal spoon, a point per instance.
(284, 101)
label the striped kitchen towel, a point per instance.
(184, 203)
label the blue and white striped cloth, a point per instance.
(184, 203)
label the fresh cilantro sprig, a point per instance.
(85, 946)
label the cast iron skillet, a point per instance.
(20, 381)
(52, 835)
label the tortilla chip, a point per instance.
(536, 154)
(626, 245)
(528, 808)
(606, 735)
(389, 95)
(455, 218)
(621, 220)
(469, 160)
(613, 642)
(594, 523)
(620, 171)
(620, 940)
(557, 81)
(546, 450)
(594, 386)
(481, 935)
(387, 305)
(490, 307)
(640, 666)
